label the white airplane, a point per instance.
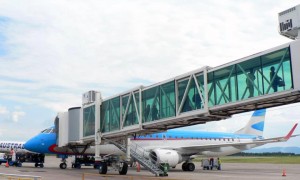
(6, 146)
(174, 146)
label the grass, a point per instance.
(260, 159)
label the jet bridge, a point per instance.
(266, 79)
(263, 80)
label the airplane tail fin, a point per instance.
(256, 124)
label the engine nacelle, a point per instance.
(165, 156)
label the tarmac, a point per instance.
(250, 171)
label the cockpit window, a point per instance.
(52, 130)
(48, 131)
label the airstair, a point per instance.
(139, 154)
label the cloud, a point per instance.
(3, 110)
(16, 115)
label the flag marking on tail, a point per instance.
(259, 126)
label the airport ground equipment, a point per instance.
(2, 158)
(200, 96)
(85, 160)
(139, 154)
(206, 164)
(37, 159)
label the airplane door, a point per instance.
(164, 137)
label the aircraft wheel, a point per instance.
(42, 165)
(190, 167)
(103, 168)
(184, 167)
(78, 166)
(123, 169)
(63, 165)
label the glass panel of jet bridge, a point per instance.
(89, 121)
(258, 76)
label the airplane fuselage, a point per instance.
(6, 146)
(168, 140)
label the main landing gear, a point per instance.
(188, 166)
(63, 165)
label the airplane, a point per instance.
(6, 146)
(174, 146)
(22, 155)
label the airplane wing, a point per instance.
(239, 145)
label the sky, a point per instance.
(53, 51)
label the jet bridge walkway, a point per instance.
(266, 79)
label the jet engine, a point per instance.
(165, 156)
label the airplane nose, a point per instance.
(31, 145)
(40, 143)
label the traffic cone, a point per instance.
(138, 167)
(6, 164)
(283, 172)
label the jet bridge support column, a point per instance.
(97, 146)
(128, 145)
(98, 134)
